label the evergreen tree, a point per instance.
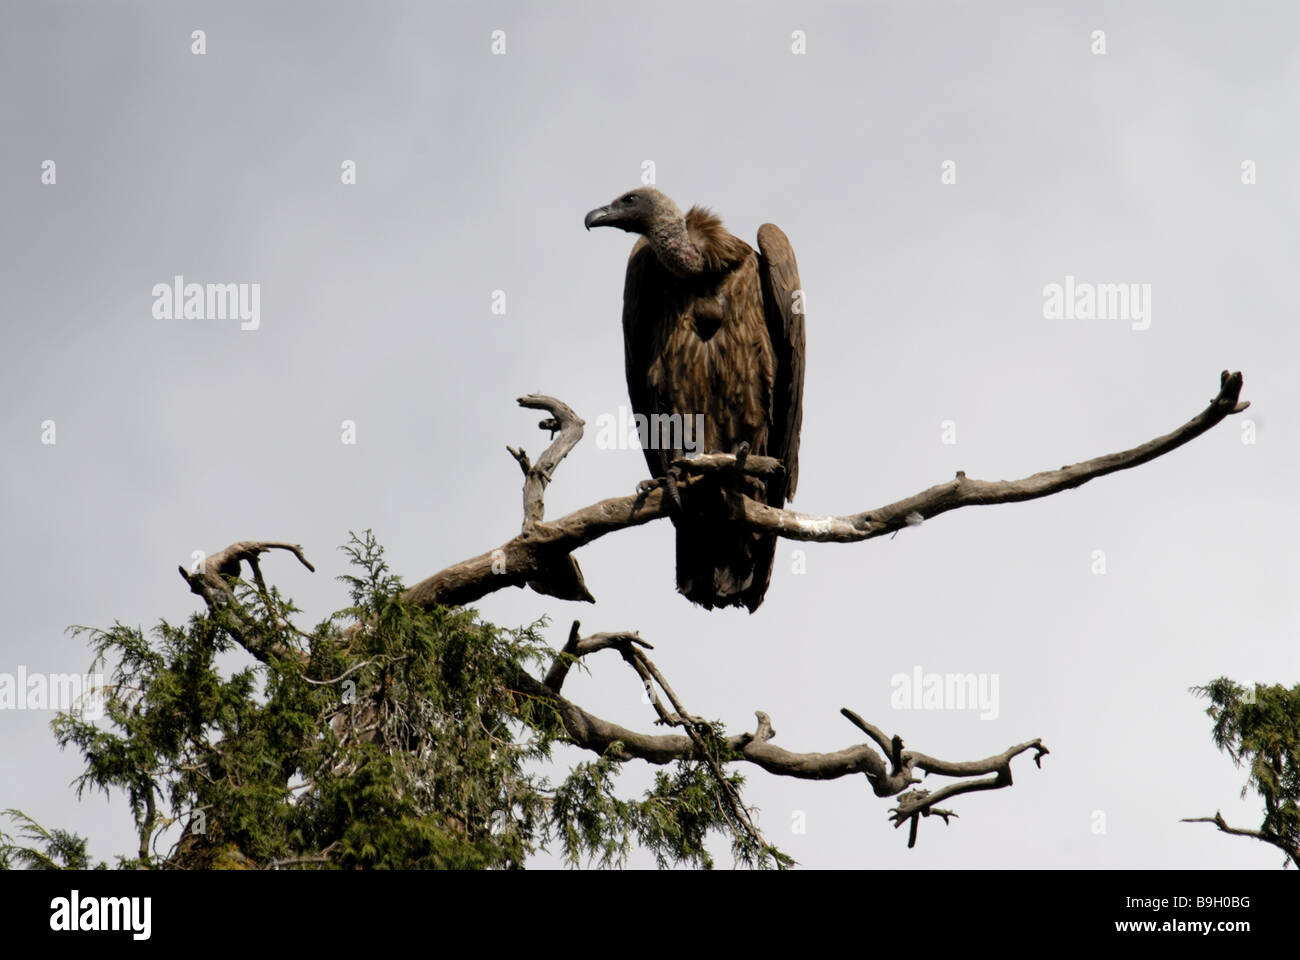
(387, 737)
(1259, 728)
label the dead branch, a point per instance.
(887, 766)
(540, 557)
(213, 581)
(560, 577)
(576, 648)
(889, 769)
(632, 647)
(531, 556)
(1290, 849)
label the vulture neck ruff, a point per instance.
(672, 244)
(694, 244)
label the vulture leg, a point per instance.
(741, 453)
(669, 482)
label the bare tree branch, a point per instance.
(1290, 849)
(598, 735)
(528, 557)
(576, 648)
(700, 732)
(889, 774)
(560, 576)
(540, 556)
(213, 581)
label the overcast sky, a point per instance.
(925, 304)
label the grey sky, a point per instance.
(925, 304)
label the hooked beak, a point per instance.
(595, 218)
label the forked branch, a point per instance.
(889, 768)
(540, 557)
(543, 549)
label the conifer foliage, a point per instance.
(387, 737)
(1259, 728)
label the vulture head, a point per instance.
(648, 212)
(636, 211)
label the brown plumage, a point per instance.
(712, 327)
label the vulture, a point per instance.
(713, 328)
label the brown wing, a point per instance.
(644, 309)
(785, 323)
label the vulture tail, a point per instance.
(719, 565)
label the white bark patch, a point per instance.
(818, 526)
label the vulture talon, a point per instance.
(669, 484)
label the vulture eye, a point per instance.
(627, 199)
